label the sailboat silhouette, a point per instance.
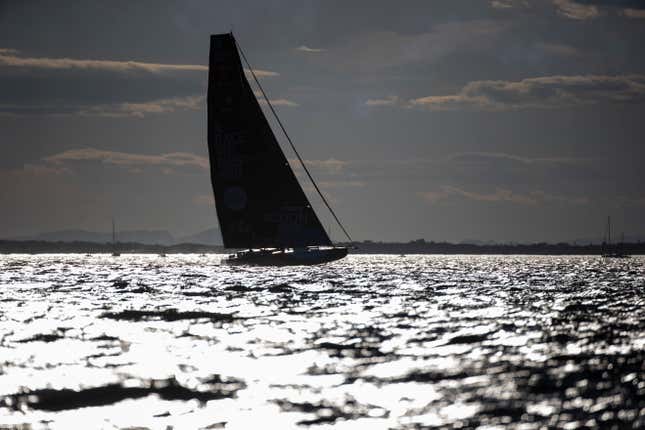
(260, 204)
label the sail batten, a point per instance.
(259, 202)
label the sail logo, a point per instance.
(229, 143)
(231, 170)
(242, 226)
(289, 215)
(229, 161)
(235, 198)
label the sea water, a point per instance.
(378, 342)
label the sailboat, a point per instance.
(609, 252)
(115, 253)
(261, 206)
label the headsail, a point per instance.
(259, 201)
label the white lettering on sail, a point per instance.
(229, 161)
(241, 226)
(231, 170)
(289, 215)
(230, 142)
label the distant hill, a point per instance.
(209, 237)
(39, 247)
(153, 237)
(365, 247)
(477, 242)
(629, 238)
(70, 236)
(420, 246)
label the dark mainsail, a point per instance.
(259, 201)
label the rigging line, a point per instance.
(291, 143)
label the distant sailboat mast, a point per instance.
(115, 253)
(613, 252)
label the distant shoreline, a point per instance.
(366, 247)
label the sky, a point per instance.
(504, 120)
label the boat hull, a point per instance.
(617, 255)
(277, 257)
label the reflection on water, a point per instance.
(379, 342)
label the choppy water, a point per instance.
(379, 342)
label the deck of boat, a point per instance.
(286, 257)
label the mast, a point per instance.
(608, 230)
(113, 233)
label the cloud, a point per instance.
(280, 102)
(304, 48)
(558, 49)
(274, 102)
(371, 52)
(65, 86)
(509, 171)
(455, 163)
(550, 92)
(116, 110)
(631, 201)
(39, 170)
(140, 110)
(634, 13)
(330, 166)
(484, 176)
(126, 159)
(330, 174)
(464, 171)
(341, 184)
(502, 4)
(573, 10)
(501, 195)
(9, 58)
(487, 157)
(259, 73)
(508, 4)
(588, 9)
(635, 4)
(388, 101)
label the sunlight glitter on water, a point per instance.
(366, 342)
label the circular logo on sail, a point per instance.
(235, 198)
